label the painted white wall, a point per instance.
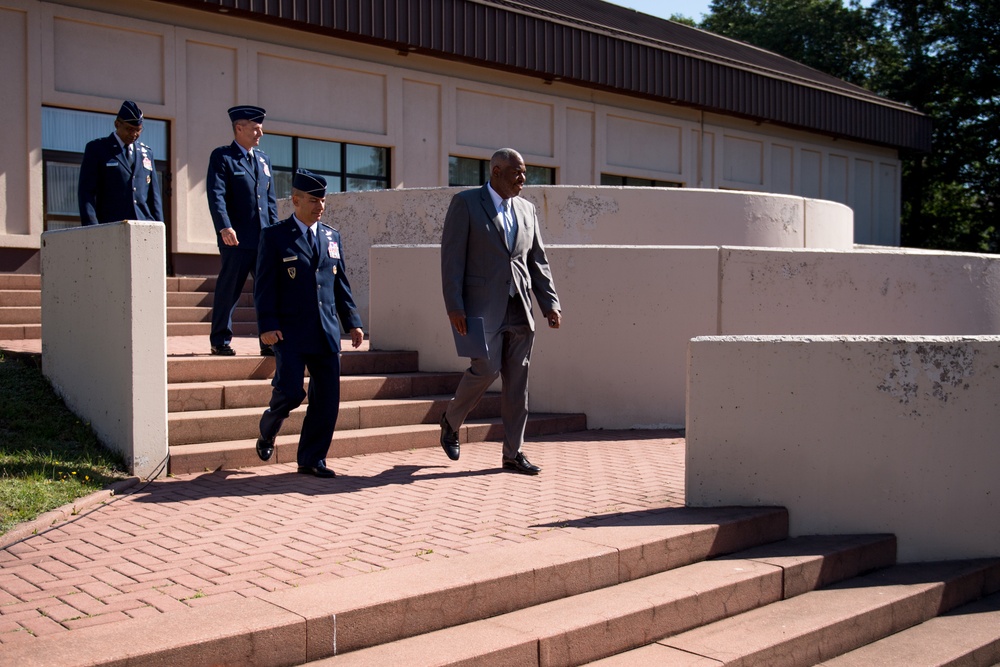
(852, 435)
(187, 67)
(104, 310)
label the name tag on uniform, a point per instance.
(112, 163)
(239, 173)
(333, 250)
(290, 259)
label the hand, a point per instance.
(357, 337)
(554, 318)
(457, 318)
(271, 337)
(228, 235)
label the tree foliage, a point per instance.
(941, 57)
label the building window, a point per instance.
(65, 133)
(346, 167)
(471, 171)
(611, 179)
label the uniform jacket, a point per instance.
(305, 297)
(476, 267)
(241, 196)
(110, 191)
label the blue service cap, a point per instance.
(130, 113)
(310, 183)
(246, 112)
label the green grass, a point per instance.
(48, 456)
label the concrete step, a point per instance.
(311, 622)
(968, 635)
(204, 299)
(21, 315)
(20, 297)
(205, 328)
(20, 331)
(186, 428)
(214, 369)
(591, 625)
(823, 624)
(223, 394)
(20, 281)
(199, 284)
(204, 314)
(228, 455)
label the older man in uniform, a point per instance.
(118, 175)
(303, 298)
(242, 202)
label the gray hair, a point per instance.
(505, 156)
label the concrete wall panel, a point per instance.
(104, 313)
(314, 93)
(492, 120)
(866, 292)
(580, 148)
(643, 145)
(421, 136)
(16, 147)
(899, 436)
(109, 61)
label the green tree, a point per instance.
(823, 34)
(939, 56)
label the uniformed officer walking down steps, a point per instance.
(303, 299)
(242, 202)
(118, 174)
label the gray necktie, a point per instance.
(510, 229)
(129, 157)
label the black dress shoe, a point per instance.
(265, 448)
(223, 350)
(319, 470)
(266, 352)
(520, 464)
(449, 439)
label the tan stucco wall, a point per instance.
(104, 310)
(188, 67)
(852, 435)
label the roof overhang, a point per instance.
(626, 53)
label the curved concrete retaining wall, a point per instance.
(629, 313)
(595, 215)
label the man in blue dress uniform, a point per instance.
(241, 201)
(118, 176)
(303, 298)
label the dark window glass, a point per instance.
(611, 179)
(346, 167)
(470, 171)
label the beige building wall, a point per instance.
(187, 67)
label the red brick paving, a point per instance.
(200, 539)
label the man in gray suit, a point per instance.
(491, 256)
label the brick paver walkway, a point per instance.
(201, 539)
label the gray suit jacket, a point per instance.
(477, 268)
